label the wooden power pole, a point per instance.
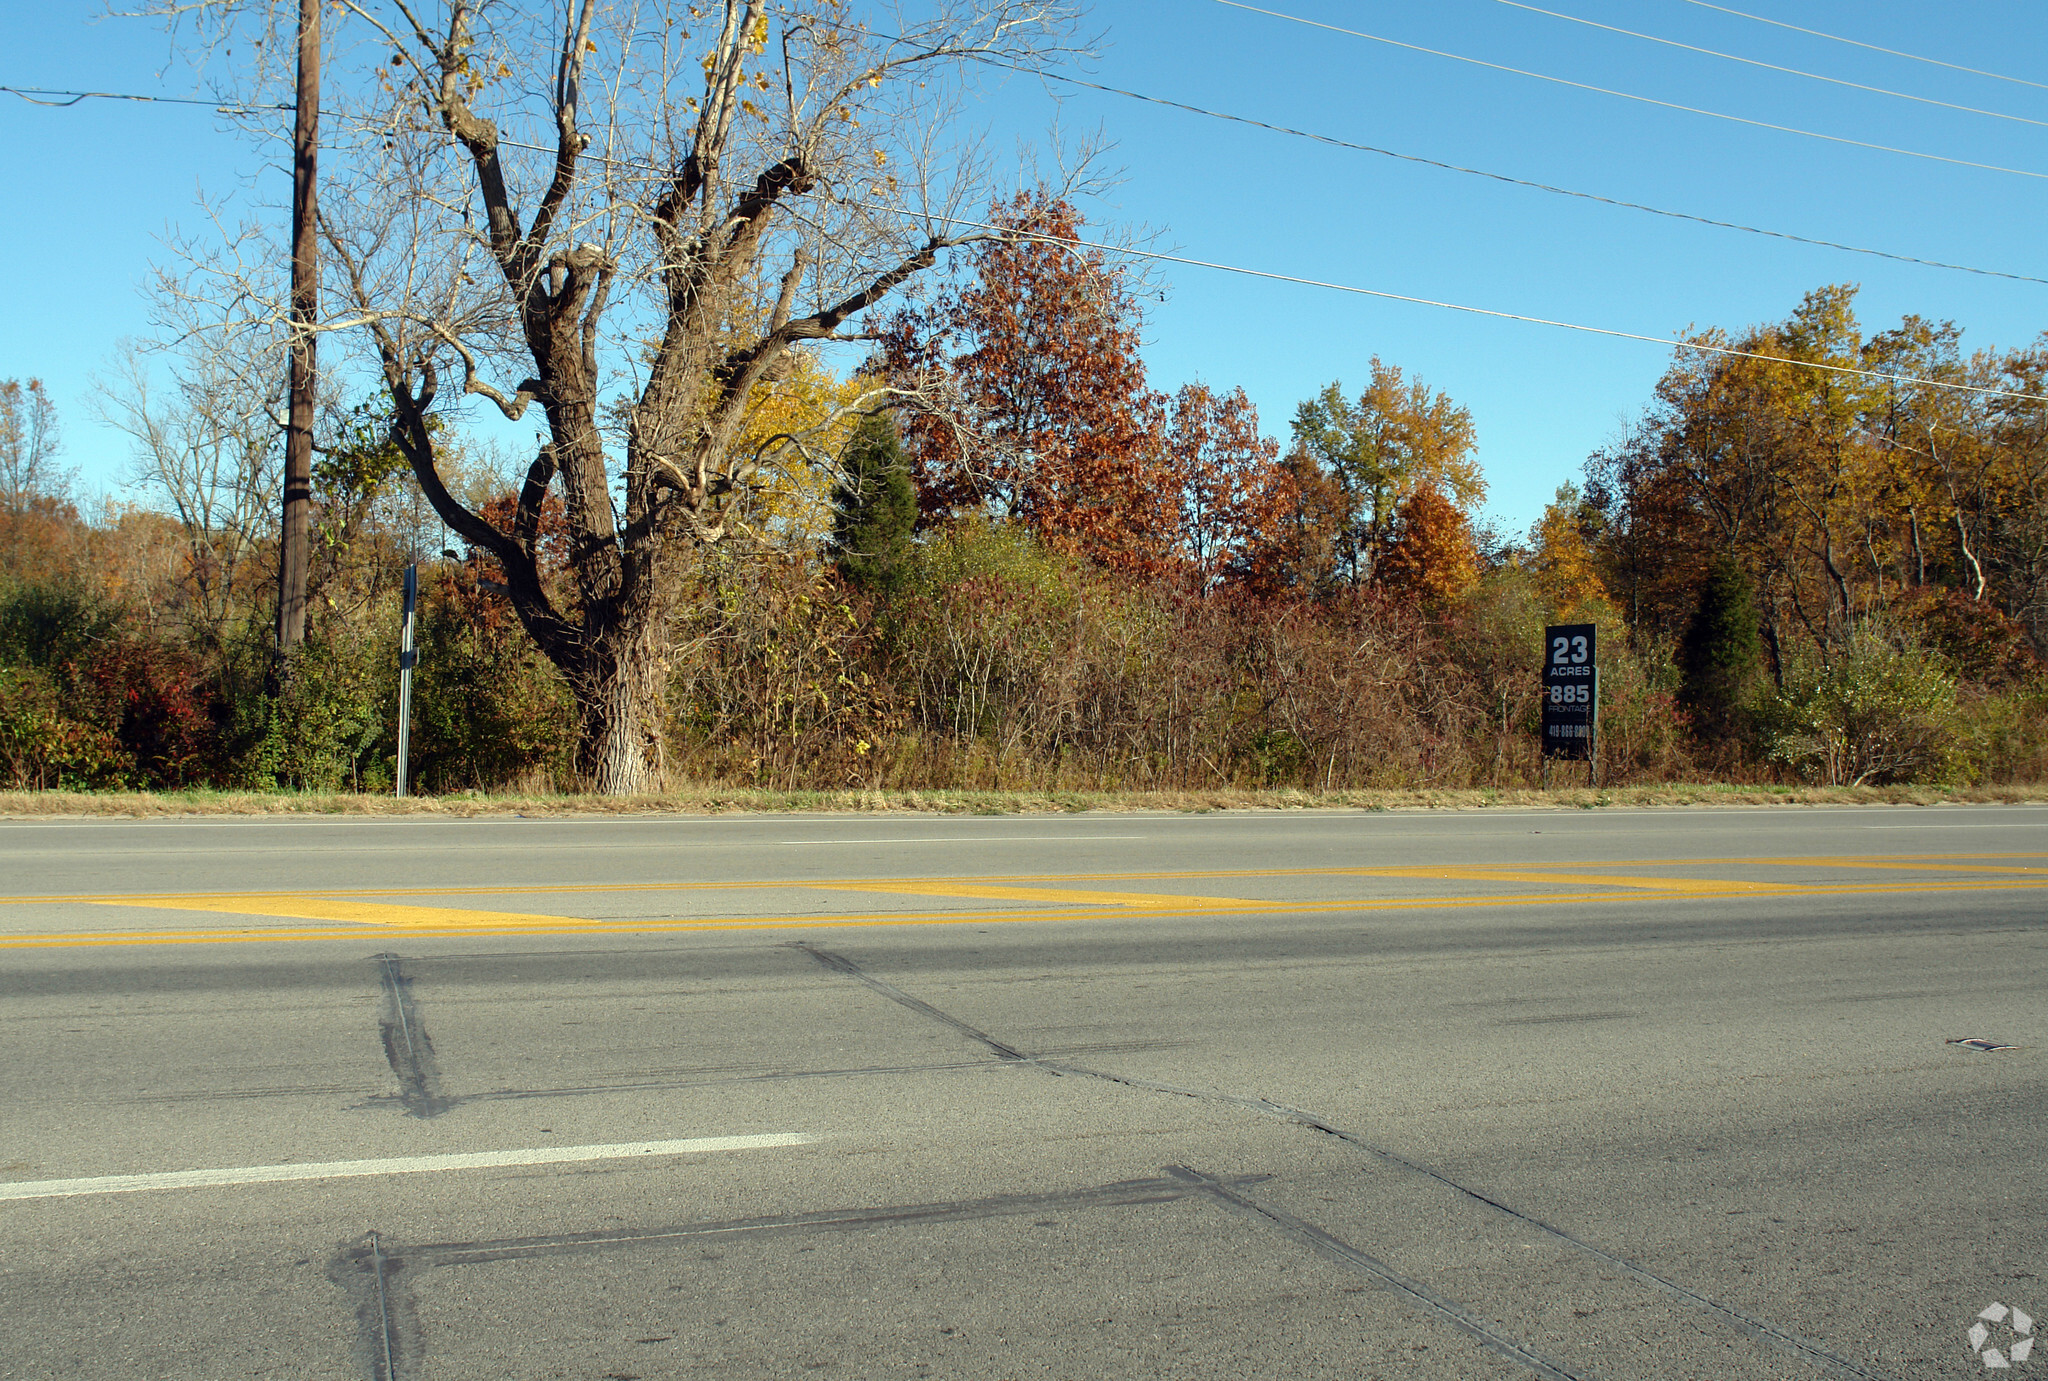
(294, 547)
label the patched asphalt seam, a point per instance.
(840, 964)
(1344, 1254)
(1121, 1194)
(1781, 1339)
(407, 1045)
(371, 1272)
(378, 1273)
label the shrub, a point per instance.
(1874, 709)
(42, 748)
(330, 724)
(488, 710)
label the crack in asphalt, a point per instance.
(1762, 1330)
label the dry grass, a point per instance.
(721, 801)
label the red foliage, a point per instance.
(473, 592)
(1235, 499)
(1041, 352)
(1980, 641)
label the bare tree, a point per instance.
(29, 445)
(628, 215)
(209, 449)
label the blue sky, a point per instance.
(96, 186)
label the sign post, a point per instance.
(406, 660)
(1571, 696)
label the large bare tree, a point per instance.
(625, 217)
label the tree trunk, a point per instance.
(618, 705)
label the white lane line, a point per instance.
(400, 1165)
(1999, 825)
(973, 839)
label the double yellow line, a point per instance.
(348, 913)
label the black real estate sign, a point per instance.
(1571, 690)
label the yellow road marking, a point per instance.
(569, 925)
(1923, 867)
(313, 908)
(1563, 872)
(1484, 874)
(1049, 895)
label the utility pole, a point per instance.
(294, 546)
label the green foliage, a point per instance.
(331, 725)
(2004, 733)
(980, 550)
(42, 748)
(1721, 657)
(488, 711)
(355, 466)
(875, 510)
(52, 625)
(1876, 709)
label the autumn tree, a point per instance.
(1433, 557)
(33, 490)
(1562, 554)
(525, 207)
(1842, 473)
(28, 446)
(1233, 496)
(204, 446)
(1395, 439)
(1055, 429)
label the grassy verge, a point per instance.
(719, 800)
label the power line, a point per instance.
(1873, 47)
(1630, 95)
(1768, 66)
(1333, 141)
(34, 94)
(1515, 181)
(1272, 276)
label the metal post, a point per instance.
(1593, 728)
(407, 658)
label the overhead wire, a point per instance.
(33, 95)
(1767, 66)
(1873, 47)
(1271, 275)
(1292, 132)
(1335, 142)
(1633, 96)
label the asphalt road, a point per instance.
(1457, 1095)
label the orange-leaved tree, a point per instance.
(1234, 497)
(1433, 557)
(1051, 425)
(1393, 440)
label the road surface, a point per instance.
(1491, 1094)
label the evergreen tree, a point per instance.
(874, 509)
(1722, 655)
